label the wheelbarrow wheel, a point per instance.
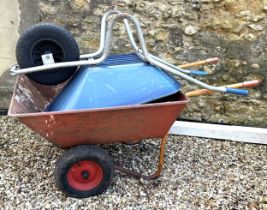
(46, 38)
(84, 171)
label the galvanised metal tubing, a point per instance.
(145, 54)
(252, 83)
(91, 61)
(102, 35)
(139, 51)
(102, 42)
(162, 65)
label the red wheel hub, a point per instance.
(85, 175)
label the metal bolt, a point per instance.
(85, 174)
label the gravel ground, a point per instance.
(199, 174)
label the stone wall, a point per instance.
(185, 31)
(9, 24)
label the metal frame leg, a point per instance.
(157, 173)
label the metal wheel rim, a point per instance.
(46, 46)
(85, 175)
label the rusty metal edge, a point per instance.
(185, 101)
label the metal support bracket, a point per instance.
(157, 173)
(48, 59)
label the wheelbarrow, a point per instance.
(45, 66)
(85, 170)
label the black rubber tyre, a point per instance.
(45, 38)
(84, 171)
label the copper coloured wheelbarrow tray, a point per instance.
(77, 128)
(94, 126)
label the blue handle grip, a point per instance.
(237, 91)
(199, 73)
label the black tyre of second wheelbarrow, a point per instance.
(47, 33)
(83, 153)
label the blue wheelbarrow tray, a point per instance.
(119, 81)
